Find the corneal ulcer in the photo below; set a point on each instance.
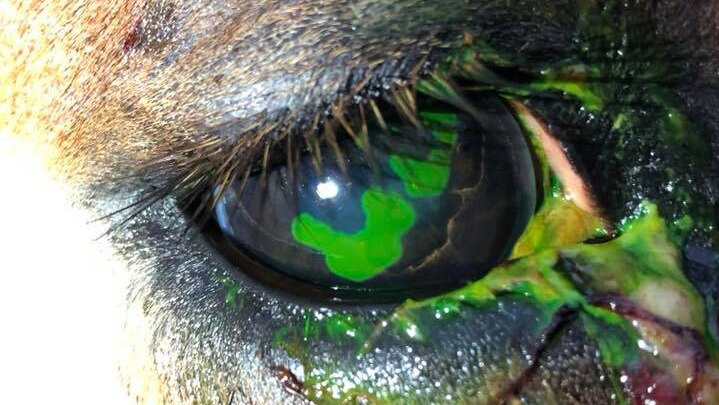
(619, 276)
(407, 211)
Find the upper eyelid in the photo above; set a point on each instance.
(209, 156)
(179, 100)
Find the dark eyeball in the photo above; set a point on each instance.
(420, 206)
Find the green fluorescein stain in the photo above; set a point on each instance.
(423, 178)
(366, 253)
(447, 137)
(427, 178)
(447, 119)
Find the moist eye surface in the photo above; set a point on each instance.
(434, 203)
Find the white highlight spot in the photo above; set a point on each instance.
(327, 189)
(62, 293)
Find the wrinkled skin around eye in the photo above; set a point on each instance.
(564, 322)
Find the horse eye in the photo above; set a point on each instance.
(407, 208)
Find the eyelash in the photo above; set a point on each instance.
(199, 170)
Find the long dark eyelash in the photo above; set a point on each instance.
(209, 166)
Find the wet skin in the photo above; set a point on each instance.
(629, 92)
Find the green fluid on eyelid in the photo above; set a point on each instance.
(362, 255)
(539, 279)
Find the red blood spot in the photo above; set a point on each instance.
(649, 384)
(288, 380)
(132, 39)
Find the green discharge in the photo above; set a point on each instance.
(362, 255)
(578, 90)
(345, 326)
(571, 81)
(648, 248)
(644, 254)
(405, 324)
(600, 100)
(615, 336)
(533, 277)
(445, 308)
(233, 296)
(559, 221)
(644, 258)
(338, 327)
(232, 292)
